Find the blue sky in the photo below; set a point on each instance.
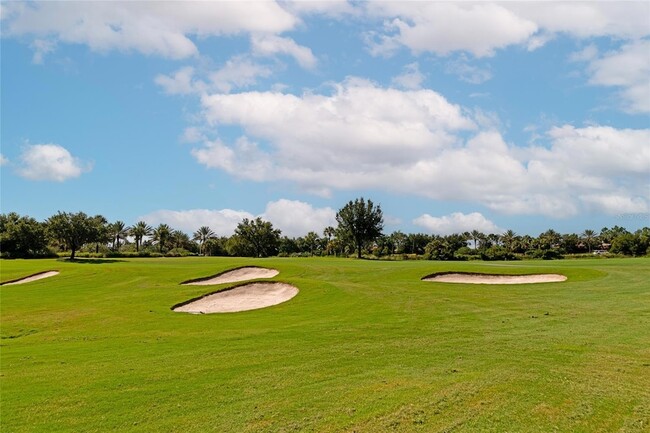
(453, 116)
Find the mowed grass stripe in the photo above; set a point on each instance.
(365, 346)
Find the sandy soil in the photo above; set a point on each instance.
(242, 298)
(236, 275)
(495, 279)
(32, 278)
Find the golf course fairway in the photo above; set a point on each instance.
(365, 346)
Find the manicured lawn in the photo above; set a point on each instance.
(365, 346)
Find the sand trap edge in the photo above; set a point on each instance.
(227, 289)
(23, 280)
(431, 278)
(196, 280)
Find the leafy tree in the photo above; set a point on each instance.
(607, 235)
(75, 229)
(311, 242)
(416, 243)
(572, 243)
(445, 248)
(255, 238)
(139, 231)
(21, 236)
(202, 235)
(360, 222)
(161, 235)
(398, 239)
(288, 246)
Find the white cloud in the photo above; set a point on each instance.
(152, 28)
(467, 72)
(411, 78)
(457, 222)
(3, 160)
(329, 8)
(588, 53)
(616, 204)
(41, 48)
(222, 222)
(410, 142)
(238, 72)
(193, 134)
(629, 69)
(243, 159)
(50, 162)
(270, 45)
(294, 218)
(441, 27)
(180, 83)
(623, 20)
(297, 218)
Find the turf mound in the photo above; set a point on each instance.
(234, 275)
(471, 278)
(240, 298)
(31, 278)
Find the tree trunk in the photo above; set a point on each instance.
(358, 250)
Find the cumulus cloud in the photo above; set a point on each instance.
(41, 48)
(294, 218)
(440, 27)
(50, 162)
(223, 222)
(411, 78)
(467, 72)
(627, 68)
(415, 142)
(237, 72)
(297, 218)
(457, 222)
(151, 28)
(180, 82)
(270, 45)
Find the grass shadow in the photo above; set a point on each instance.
(92, 261)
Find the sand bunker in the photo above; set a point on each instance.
(31, 278)
(234, 276)
(241, 298)
(467, 278)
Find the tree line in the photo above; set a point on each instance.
(359, 232)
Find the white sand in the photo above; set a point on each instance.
(496, 279)
(247, 297)
(33, 278)
(236, 275)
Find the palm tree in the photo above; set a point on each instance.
(508, 239)
(588, 236)
(161, 235)
(118, 230)
(139, 231)
(202, 235)
(179, 239)
(476, 236)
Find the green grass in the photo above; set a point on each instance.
(364, 347)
